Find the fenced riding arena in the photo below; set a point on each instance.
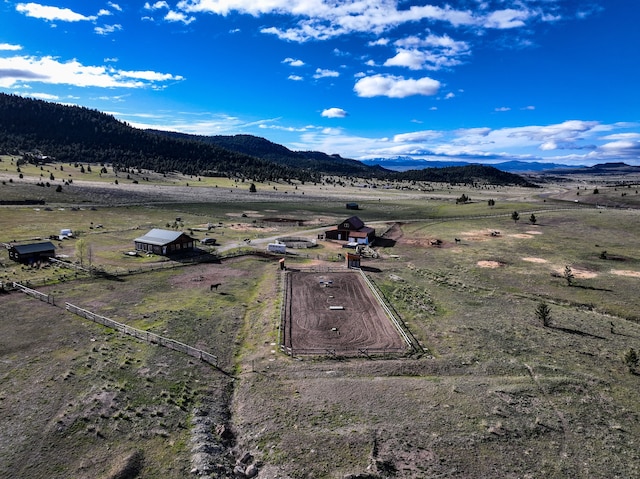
(337, 313)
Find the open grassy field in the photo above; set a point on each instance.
(495, 392)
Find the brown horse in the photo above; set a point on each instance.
(214, 286)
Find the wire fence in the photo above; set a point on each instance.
(147, 336)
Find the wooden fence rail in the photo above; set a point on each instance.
(47, 298)
(145, 335)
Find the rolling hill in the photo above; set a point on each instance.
(36, 129)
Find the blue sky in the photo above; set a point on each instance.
(475, 80)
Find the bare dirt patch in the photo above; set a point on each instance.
(535, 260)
(521, 236)
(480, 235)
(626, 272)
(489, 264)
(204, 276)
(579, 273)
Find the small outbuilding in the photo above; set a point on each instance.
(164, 242)
(32, 252)
(352, 206)
(353, 261)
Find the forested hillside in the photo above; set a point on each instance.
(471, 174)
(336, 165)
(77, 134)
(267, 150)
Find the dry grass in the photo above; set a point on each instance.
(496, 394)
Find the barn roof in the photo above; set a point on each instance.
(159, 237)
(354, 221)
(34, 247)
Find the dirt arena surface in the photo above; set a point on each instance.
(336, 312)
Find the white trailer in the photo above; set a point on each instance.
(277, 248)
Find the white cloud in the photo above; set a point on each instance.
(23, 70)
(549, 146)
(503, 108)
(103, 12)
(107, 29)
(509, 18)
(541, 143)
(146, 75)
(430, 53)
(334, 113)
(295, 78)
(172, 16)
(44, 96)
(324, 19)
(417, 136)
(621, 145)
(10, 47)
(44, 12)
(115, 6)
(379, 42)
(622, 136)
(293, 62)
(395, 87)
(156, 6)
(412, 59)
(322, 73)
(449, 96)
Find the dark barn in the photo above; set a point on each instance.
(353, 230)
(164, 242)
(32, 252)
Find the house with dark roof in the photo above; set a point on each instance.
(352, 230)
(164, 242)
(32, 252)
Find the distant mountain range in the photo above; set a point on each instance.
(516, 167)
(602, 169)
(404, 163)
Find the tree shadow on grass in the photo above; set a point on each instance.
(592, 288)
(106, 275)
(576, 331)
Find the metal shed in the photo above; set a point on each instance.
(32, 252)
